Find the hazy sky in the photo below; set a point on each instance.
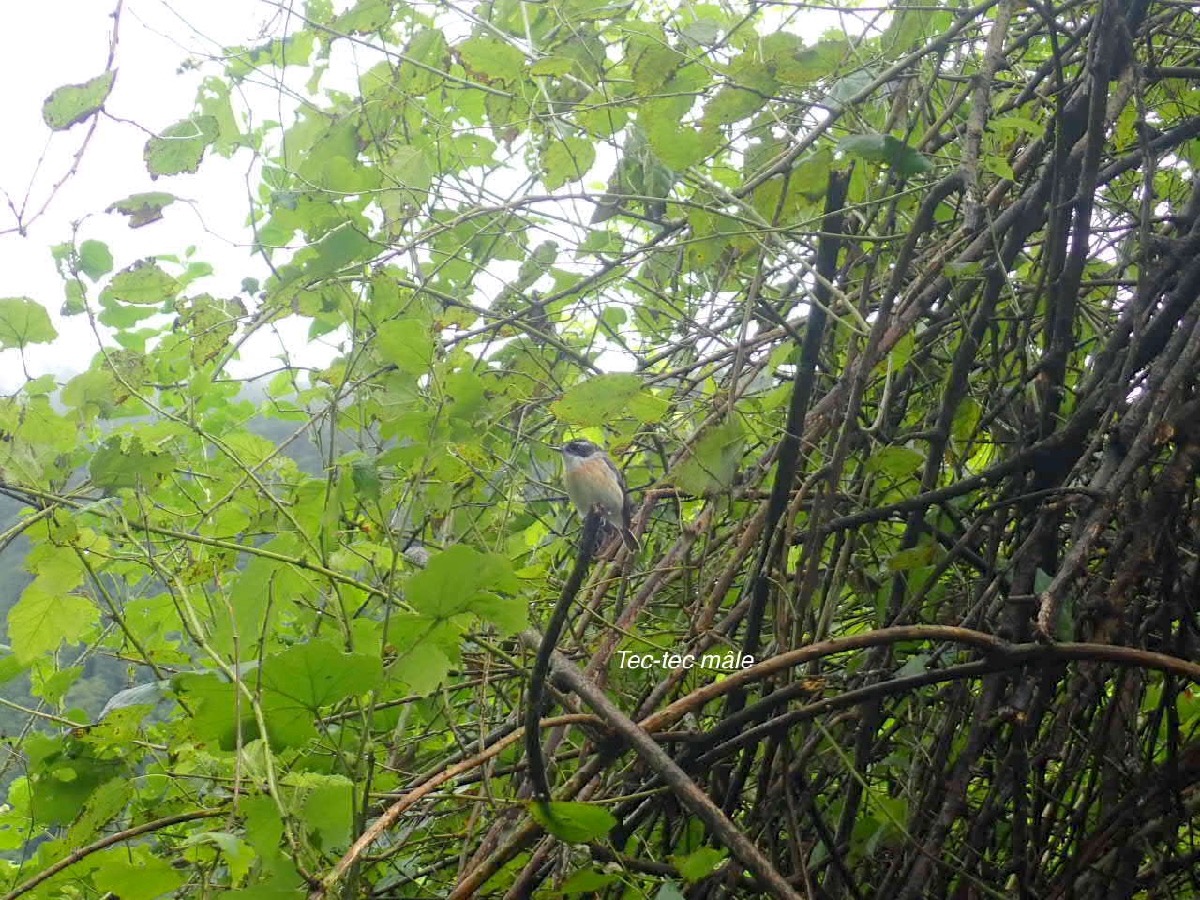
(57, 42)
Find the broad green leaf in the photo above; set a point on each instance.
(46, 617)
(575, 823)
(602, 398)
(74, 103)
(700, 863)
(713, 462)
(912, 558)
(461, 579)
(236, 853)
(703, 32)
(294, 50)
(406, 344)
(365, 477)
(677, 145)
(795, 64)
(883, 148)
(896, 462)
(587, 881)
(23, 322)
(95, 259)
(733, 103)
(567, 159)
(75, 301)
(909, 27)
(654, 65)
(494, 59)
(336, 251)
(215, 714)
(142, 284)
(421, 667)
(317, 674)
(552, 65)
(365, 17)
(180, 147)
(63, 773)
(134, 873)
(328, 810)
(212, 322)
(126, 463)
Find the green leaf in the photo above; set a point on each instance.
(883, 148)
(586, 881)
(211, 322)
(95, 259)
(908, 28)
(46, 617)
(733, 103)
(700, 863)
(494, 59)
(574, 823)
(552, 65)
(337, 250)
(912, 558)
(365, 477)
(318, 674)
(236, 853)
(423, 665)
(654, 65)
(74, 103)
(328, 810)
(407, 344)
(24, 322)
(365, 17)
(796, 64)
(599, 400)
(142, 284)
(126, 463)
(460, 579)
(896, 462)
(703, 32)
(713, 462)
(180, 147)
(134, 873)
(142, 209)
(567, 159)
(677, 145)
(294, 50)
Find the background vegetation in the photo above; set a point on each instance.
(895, 330)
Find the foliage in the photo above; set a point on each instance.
(894, 334)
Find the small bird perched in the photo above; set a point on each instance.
(593, 481)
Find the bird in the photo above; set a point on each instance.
(594, 482)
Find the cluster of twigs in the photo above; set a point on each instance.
(973, 677)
